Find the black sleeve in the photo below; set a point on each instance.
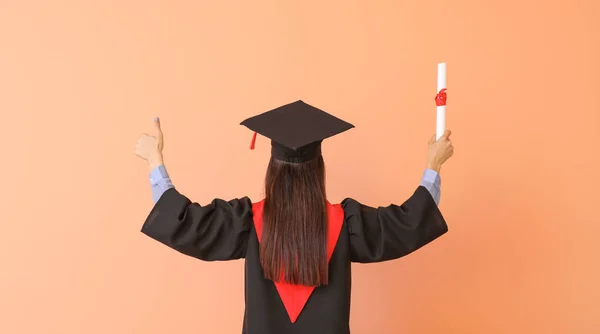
(215, 232)
(387, 233)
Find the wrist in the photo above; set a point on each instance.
(155, 161)
(434, 166)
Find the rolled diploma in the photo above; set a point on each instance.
(441, 110)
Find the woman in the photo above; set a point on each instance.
(297, 246)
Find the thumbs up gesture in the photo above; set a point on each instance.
(149, 147)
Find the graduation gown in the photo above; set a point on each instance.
(227, 230)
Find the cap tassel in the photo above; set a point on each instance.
(253, 141)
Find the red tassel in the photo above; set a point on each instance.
(253, 141)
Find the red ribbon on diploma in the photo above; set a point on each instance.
(440, 98)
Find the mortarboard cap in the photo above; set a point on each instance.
(296, 130)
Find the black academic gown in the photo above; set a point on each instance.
(224, 230)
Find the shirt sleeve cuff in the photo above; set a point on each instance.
(432, 176)
(157, 174)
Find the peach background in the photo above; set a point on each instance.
(80, 80)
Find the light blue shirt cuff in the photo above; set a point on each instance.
(158, 174)
(432, 182)
(160, 182)
(431, 176)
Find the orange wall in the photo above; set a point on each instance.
(79, 82)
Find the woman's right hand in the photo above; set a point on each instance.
(439, 151)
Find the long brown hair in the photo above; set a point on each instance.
(294, 236)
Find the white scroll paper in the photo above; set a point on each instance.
(441, 110)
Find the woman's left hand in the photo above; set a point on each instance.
(149, 147)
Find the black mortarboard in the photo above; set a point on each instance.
(296, 130)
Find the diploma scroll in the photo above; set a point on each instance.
(440, 101)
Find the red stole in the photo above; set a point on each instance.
(294, 296)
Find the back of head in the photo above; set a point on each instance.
(293, 243)
(294, 237)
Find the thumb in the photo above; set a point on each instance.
(157, 128)
(446, 134)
